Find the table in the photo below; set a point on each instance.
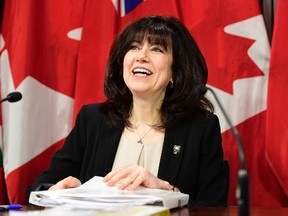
(230, 211)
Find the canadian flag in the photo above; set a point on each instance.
(55, 54)
(234, 41)
(39, 60)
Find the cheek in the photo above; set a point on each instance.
(126, 76)
(168, 70)
(125, 66)
(127, 61)
(128, 58)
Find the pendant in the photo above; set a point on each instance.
(140, 142)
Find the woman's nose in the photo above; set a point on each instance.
(142, 55)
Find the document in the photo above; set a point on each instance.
(95, 194)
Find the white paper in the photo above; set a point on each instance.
(97, 195)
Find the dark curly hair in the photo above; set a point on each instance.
(189, 71)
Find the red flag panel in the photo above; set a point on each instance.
(277, 105)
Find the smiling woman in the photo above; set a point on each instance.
(158, 42)
(154, 129)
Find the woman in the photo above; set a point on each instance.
(154, 129)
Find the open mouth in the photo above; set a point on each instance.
(142, 72)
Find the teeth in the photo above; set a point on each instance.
(142, 71)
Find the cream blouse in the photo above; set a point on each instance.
(145, 155)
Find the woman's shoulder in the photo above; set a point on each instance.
(91, 111)
(203, 117)
(200, 121)
(93, 107)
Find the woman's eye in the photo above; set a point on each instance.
(157, 49)
(134, 47)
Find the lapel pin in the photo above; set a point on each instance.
(176, 149)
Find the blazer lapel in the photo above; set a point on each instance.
(109, 140)
(172, 153)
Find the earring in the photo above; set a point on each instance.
(171, 84)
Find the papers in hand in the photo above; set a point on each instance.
(95, 194)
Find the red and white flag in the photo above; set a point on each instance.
(39, 60)
(233, 38)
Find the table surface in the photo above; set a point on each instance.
(230, 211)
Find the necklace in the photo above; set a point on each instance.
(141, 138)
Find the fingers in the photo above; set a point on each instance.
(133, 176)
(69, 182)
(128, 174)
(118, 174)
(140, 179)
(134, 179)
(166, 185)
(111, 174)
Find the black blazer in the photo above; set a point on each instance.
(191, 159)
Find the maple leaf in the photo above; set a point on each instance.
(249, 94)
(40, 119)
(226, 54)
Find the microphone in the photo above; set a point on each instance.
(12, 97)
(242, 192)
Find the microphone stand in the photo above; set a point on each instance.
(242, 192)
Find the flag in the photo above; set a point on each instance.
(277, 105)
(233, 39)
(39, 60)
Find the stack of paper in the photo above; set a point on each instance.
(95, 194)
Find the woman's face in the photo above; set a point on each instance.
(147, 69)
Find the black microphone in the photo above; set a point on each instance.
(12, 97)
(242, 192)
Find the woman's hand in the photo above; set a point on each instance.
(69, 182)
(133, 176)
